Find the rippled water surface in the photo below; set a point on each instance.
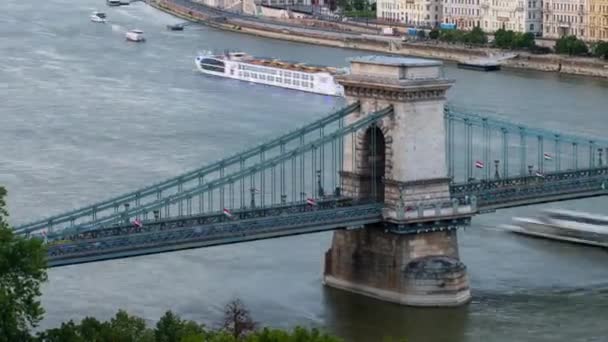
(86, 115)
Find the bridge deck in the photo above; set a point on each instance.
(159, 237)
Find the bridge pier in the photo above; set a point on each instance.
(410, 258)
(414, 269)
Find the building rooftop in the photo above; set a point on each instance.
(396, 61)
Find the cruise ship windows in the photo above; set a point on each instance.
(271, 78)
(288, 81)
(296, 75)
(296, 82)
(212, 65)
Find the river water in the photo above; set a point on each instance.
(86, 115)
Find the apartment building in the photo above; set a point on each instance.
(466, 14)
(424, 13)
(565, 18)
(515, 15)
(598, 20)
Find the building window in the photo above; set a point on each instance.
(531, 27)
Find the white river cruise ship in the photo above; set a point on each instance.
(564, 225)
(297, 76)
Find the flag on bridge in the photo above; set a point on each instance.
(311, 202)
(540, 174)
(479, 164)
(547, 156)
(137, 223)
(228, 213)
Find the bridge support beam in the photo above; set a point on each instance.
(417, 270)
(412, 257)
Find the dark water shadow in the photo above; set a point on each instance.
(357, 318)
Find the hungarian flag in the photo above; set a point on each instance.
(228, 213)
(311, 202)
(540, 174)
(547, 156)
(479, 164)
(137, 223)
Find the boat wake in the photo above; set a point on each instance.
(118, 28)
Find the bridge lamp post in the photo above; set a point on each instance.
(252, 190)
(599, 153)
(156, 214)
(127, 205)
(530, 168)
(496, 173)
(321, 192)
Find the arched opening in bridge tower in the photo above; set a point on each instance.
(372, 166)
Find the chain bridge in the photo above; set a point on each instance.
(395, 173)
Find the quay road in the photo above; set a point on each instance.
(258, 22)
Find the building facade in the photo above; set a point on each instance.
(566, 17)
(516, 15)
(466, 14)
(420, 13)
(598, 20)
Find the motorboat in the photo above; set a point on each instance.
(98, 17)
(113, 2)
(135, 35)
(176, 27)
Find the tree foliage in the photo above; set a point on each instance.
(475, 36)
(237, 319)
(507, 39)
(570, 45)
(600, 49)
(434, 34)
(171, 328)
(22, 271)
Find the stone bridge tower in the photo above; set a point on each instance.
(412, 257)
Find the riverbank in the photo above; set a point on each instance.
(549, 63)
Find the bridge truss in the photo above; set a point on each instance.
(503, 164)
(291, 185)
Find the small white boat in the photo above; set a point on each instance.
(135, 36)
(98, 17)
(564, 225)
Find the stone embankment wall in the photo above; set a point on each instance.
(552, 63)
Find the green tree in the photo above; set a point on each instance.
(22, 271)
(504, 39)
(68, 332)
(434, 34)
(127, 328)
(601, 50)
(171, 328)
(476, 36)
(523, 41)
(570, 45)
